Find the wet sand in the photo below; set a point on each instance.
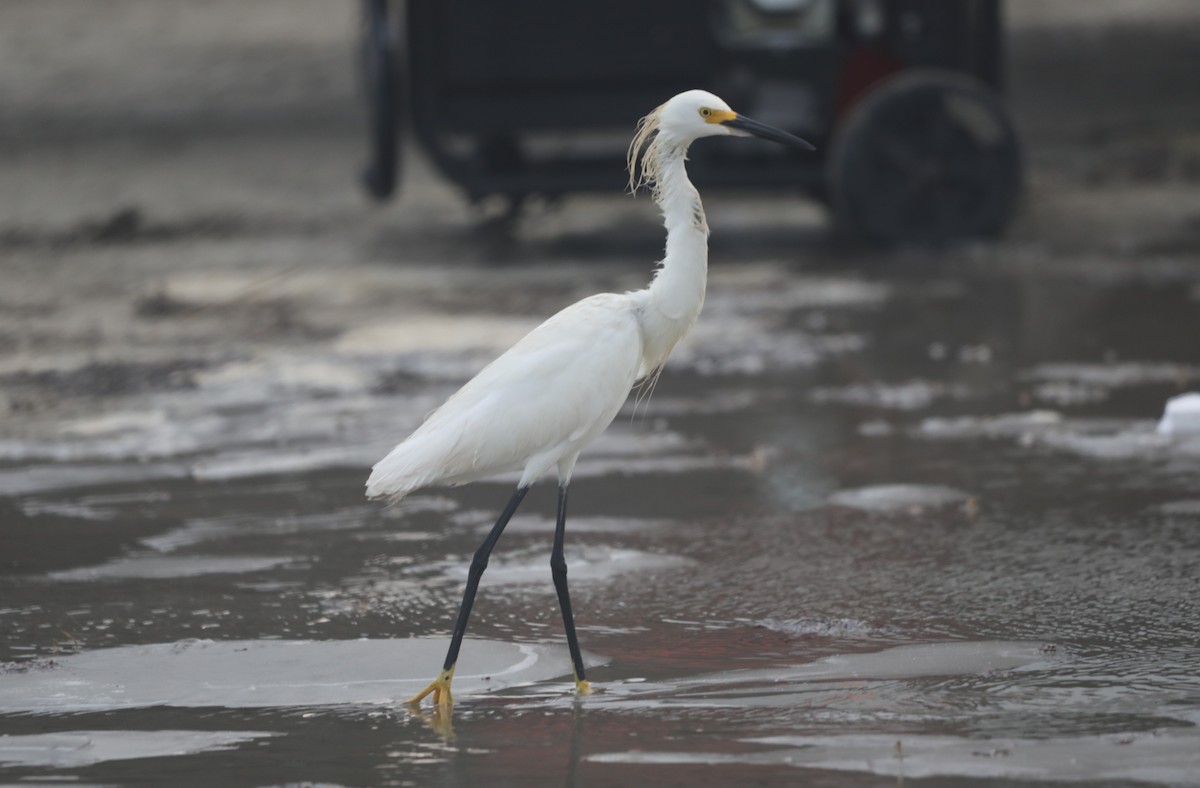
(887, 514)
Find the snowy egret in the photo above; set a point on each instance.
(550, 395)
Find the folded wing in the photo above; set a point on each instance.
(542, 401)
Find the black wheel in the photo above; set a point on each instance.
(927, 157)
(382, 85)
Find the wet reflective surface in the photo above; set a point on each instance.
(886, 518)
(882, 517)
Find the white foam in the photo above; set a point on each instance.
(74, 749)
(1114, 374)
(156, 567)
(201, 530)
(767, 289)
(587, 564)
(583, 524)
(911, 395)
(430, 333)
(1182, 416)
(1189, 508)
(1120, 444)
(241, 465)
(1099, 439)
(280, 373)
(750, 348)
(44, 478)
(1065, 393)
(876, 428)
(35, 507)
(898, 497)
(592, 467)
(115, 438)
(823, 627)
(1001, 426)
(707, 403)
(117, 421)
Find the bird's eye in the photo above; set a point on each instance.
(705, 112)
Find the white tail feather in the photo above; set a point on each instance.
(400, 472)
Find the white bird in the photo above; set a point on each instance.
(550, 395)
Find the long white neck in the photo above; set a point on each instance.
(675, 296)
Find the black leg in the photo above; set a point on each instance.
(558, 567)
(440, 687)
(478, 564)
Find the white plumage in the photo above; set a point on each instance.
(550, 395)
(530, 410)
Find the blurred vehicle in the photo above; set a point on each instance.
(538, 97)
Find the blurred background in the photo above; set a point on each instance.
(246, 245)
(1101, 97)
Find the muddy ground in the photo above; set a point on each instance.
(887, 514)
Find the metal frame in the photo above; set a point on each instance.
(487, 78)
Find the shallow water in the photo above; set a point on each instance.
(867, 527)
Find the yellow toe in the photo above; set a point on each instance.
(583, 687)
(439, 688)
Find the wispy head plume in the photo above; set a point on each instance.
(647, 146)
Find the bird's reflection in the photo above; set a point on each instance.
(441, 722)
(437, 718)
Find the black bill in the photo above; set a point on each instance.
(747, 126)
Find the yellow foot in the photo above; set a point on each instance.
(440, 688)
(583, 687)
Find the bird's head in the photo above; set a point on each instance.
(698, 113)
(689, 116)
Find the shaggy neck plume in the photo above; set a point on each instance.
(676, 294)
